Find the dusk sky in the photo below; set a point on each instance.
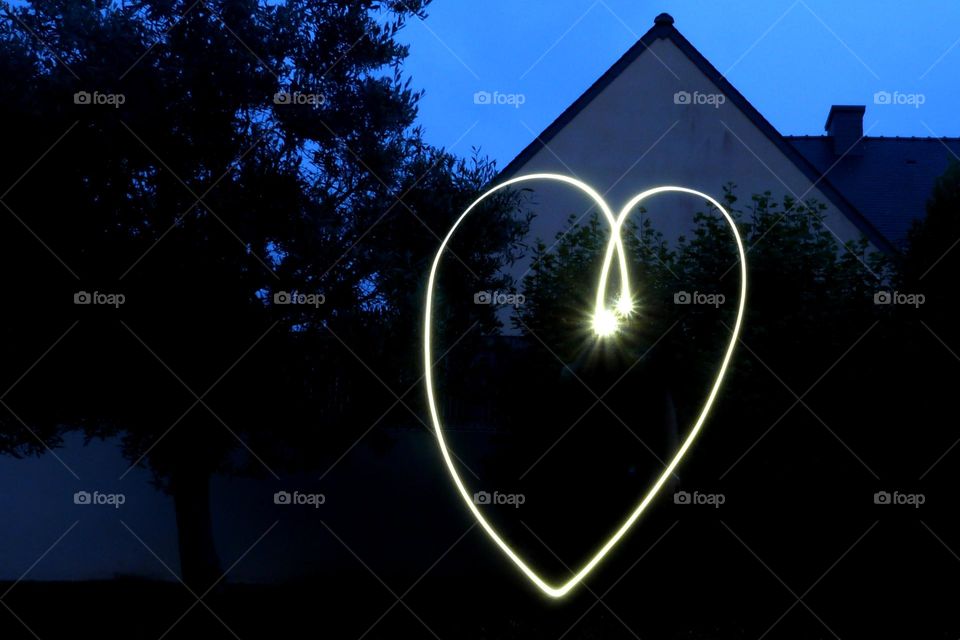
(792, 59)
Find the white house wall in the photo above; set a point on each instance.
(633, 136)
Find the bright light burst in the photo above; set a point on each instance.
(624, 307)
(605, 323)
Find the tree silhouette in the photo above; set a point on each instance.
(809, 299)
(248, 177)
(931, 263)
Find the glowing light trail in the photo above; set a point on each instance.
(605, 323)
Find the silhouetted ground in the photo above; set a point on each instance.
(697, 578)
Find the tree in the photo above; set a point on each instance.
(930, 262)
(809, 299)
(925, 336)
(230, 152)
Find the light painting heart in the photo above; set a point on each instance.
(606, 320)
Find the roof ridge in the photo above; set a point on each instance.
(896, 138)
(664, 28)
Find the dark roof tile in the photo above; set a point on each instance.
(890, 182)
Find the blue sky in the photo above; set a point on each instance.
(791, 58)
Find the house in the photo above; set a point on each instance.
(663, 115)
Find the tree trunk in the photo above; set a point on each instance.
(199, 564)
(673, 433)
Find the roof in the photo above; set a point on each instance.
(663, 29)
(890, 181)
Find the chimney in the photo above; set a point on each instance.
(845, 126)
